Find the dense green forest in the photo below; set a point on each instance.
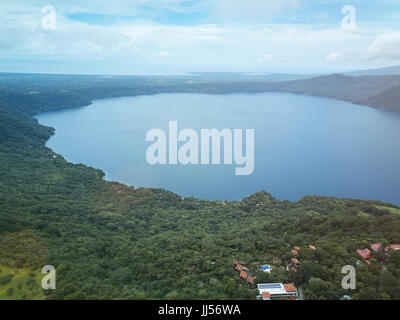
(110, 241)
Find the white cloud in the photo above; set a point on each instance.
(334, 56)
(386, 47)
(224, 45)
(213, 45)
(266, 58)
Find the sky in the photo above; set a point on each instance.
(179, 36)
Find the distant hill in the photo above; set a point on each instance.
(388, 99)
(376, 72)
(250, 76)
(382, 92)
(33, 92)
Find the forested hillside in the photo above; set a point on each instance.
(110, 241)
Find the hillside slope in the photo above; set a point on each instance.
(388, 99)
(359, 90)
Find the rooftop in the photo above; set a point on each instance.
(266, 295)
(277, 289)
(239, 267)
(289, 287)
(376, 246)
(365, 253)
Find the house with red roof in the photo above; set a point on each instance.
(394, 247)
(250, 280)
(365, 253)
(266, 295)
(376, 246)
(239, 268)
(289, 287)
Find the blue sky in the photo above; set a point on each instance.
(192, 13)
(178, 36)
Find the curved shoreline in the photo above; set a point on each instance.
(131, 96)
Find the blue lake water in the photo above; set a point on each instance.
(303, 145)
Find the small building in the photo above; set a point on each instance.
(376, 246)
(266, 296)
(312, 247)
(365, 253)
(250, 280)
(289, 287)
(239, 268)
(295, 261)
(276, 290)
(297, 248)
(394, 247)
(295, 252)
(243, 275)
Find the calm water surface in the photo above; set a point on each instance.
(303, 145)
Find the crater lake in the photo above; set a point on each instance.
(303, 145)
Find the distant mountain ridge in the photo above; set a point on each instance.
(381, 92)
(395, 70)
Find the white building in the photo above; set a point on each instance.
(276, 290)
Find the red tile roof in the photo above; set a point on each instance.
(365, 253)
(312, 247)
(376, 246)
(394, 246)
(289, 287)
(243, 275)
(239, 267)
(266, 295)
(250, 280)
(295, 261)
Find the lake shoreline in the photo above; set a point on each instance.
(112, 178)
